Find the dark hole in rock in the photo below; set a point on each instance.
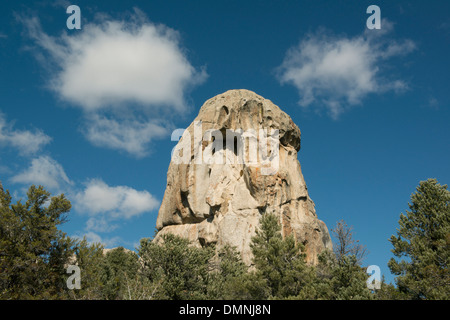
(225, 109)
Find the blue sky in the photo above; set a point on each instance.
(81, 118)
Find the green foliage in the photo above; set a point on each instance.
(230, 279)
(34, 256)
(340, 275)
(33, 251)
(119, 267)
(178, 271)
(343, 279)
(90, 260)
(423, 240)
(279, 261)
(139, 288)
(247, 286)
(227, 268)
(389, 292)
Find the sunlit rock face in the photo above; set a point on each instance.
(235, 162)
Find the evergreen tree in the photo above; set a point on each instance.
(247, 286)
(230, 278)
(340, 274)
(177, 270)
(280, 262)
(423, 239)
(226, 267)
(90, 259)
(388, 291)
(33, 252)
(119, 267)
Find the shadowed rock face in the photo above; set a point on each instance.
(222, 202)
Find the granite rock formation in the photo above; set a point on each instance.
(208, 201)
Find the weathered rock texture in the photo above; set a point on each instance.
(223, 203)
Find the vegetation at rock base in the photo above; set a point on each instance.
(178, 270)
(34, 255)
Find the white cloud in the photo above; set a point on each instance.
(117, 62)
(99, 199)
(115, 67)
(100, 224)
(132, 136)
(26, 142)
(338, 72)
(44, 171)
(106, 205)
(92, 237)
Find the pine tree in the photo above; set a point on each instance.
(423, 239)
(119, 266)
(388, 291)
(340, 274)
(227, 270)
(176, 269)
(90, 259)
(280, 262)
(33, 251)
